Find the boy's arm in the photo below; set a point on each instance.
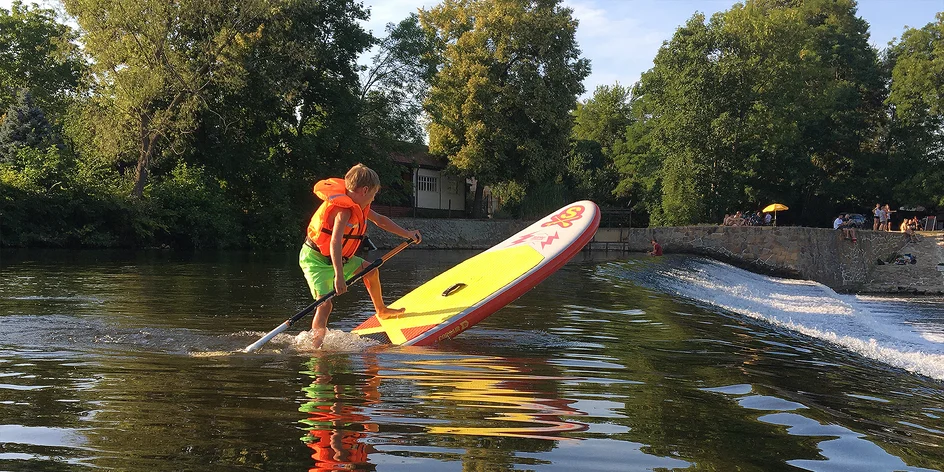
(337, 259)
(390, 226)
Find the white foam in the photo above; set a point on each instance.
(334, 341)
(933, 337)
(814, 310)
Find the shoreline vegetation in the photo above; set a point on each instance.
(204, 126)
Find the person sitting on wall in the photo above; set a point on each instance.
(656, 248)
(843, 223)
(908, 227)
(849, 229)
(751, 219)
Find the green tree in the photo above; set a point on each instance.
(916, 99)
(500, 104)
(844, 90)
(256, 100)
(153, 61)
(589, 173)
(604, 116)
(37, 54)
(25, 126)
(599, 127)
(638, 164)
(769, 101)
(291, 118)
(683, 90)
(397, 82)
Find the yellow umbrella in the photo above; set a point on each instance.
(775, 207)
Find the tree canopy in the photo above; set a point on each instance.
(915, 140)
(25, 125)
(768, 101)
(499, 106)
(38, 54)
(194, 124)
(395, 86)
(153, 61)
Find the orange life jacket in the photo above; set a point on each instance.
(334, 194)
(334, 446)
(337, 450)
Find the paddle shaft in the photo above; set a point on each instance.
(308, 309)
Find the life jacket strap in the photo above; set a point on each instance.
(311, 244)
(346, 236)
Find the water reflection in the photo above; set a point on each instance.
(493, 397)
(840, 448)
(337, 424)
(477, 396)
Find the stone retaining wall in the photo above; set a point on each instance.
(441, 233)
(817, 254)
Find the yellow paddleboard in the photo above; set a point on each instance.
(462, 296)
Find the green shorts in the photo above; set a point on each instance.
(320, 273)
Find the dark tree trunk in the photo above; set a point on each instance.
(148, 139)
(478, 208)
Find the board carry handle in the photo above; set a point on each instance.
(308, 309)
(455, 288)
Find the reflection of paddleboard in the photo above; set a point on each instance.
(464, 295)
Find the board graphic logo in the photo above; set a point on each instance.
(566, 218)
(545, 239)
(463, 325)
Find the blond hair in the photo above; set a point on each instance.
(361, 176)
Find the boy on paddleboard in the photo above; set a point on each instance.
(335, 233)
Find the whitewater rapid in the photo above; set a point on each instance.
(901, 332)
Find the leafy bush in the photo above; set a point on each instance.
(190, 209)
(36, 170)
(34, 212)
(535, 202)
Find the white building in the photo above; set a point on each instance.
(436, 193)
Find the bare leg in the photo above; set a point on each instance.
(372, 282)
(319, 324)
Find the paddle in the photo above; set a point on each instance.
(308, 309)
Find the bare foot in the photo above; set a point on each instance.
(390, 313)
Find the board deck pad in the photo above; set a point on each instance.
(477, 287)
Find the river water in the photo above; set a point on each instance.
(129, 361)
